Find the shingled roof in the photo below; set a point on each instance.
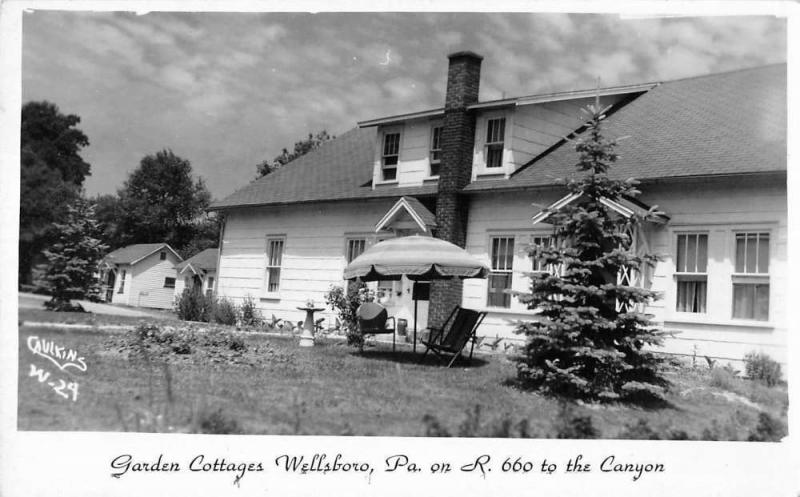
(205, 260)
(719, 124)
(134, 253)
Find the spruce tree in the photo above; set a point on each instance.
(74, 257)
(590, 339)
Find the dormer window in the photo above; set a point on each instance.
(495, 136)
(390, 156)
(436, 149)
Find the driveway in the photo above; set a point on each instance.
(34, 301)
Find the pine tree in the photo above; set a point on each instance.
(74, 257)
(590, 341)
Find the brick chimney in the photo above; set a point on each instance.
(455, 171)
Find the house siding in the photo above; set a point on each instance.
(147, 285)
(313, 253)
(719, 208)
(122, 298)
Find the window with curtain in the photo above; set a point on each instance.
(502, 255)
(495, 138)
(691, 272)
(751, 277)
(272, 277)
(390, 156)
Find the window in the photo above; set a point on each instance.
(495, 136)
(436, 149)
(390, 156)
(163, 256)
(536, 264)
(502, 255)
(691, 275)
(751, 277)
(274, 258)
(169, 282)
(210, 288)
(122, 282)
(355, 247)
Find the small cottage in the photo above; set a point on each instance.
(198, 272)
(141, 275)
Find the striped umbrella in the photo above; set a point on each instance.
(416, 257)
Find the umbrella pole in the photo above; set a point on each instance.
(414, 348)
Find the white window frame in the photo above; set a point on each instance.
(354, 238)
(679, 276)
(487, 145)
(507, 271)
(382, 154)
(269, 240)
(751, 277)
(431, 150)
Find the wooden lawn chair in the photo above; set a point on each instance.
(458, 329)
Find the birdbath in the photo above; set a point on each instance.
(307, 337)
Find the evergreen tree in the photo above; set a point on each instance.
(74, 257)
(590, 341)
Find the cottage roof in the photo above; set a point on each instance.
(719, 124)
(135, 253)
(205, 260)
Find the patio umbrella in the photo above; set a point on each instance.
(419, 258)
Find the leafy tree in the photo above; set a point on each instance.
(590, 341)
(74, 257)
(51, 174)
(160, 201)
(300, 148)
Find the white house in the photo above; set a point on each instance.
(141, 275)
(710, 152)
(198, 271)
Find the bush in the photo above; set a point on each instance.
(225, 312)
(768, 429)
(216, 422)
(249, 313)
(193, 305)
(761, 367)
(345, 303)
(722, 378)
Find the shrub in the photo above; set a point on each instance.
(225, 312)
(768, 429)
(345, 303)
(193, 305)
(640, 430)
(761, 367)
(722, 378)
(570, 425)
(249, 313)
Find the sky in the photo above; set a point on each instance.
(228, 90)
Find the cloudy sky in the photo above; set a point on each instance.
(229, 90)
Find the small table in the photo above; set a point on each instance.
(307, 337)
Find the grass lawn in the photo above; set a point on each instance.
(275, 387)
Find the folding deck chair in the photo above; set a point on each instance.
(458, 329)
(372, 319)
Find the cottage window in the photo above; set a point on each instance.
(502, 255)
(436, 149)
(495, 136)
(751, 277)
(210, 288)
(536, 264)
(274, 259)
(355, 247)
(390, 156)
(169, 282)
(122, 282)
(691, 272)
(163, 256)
